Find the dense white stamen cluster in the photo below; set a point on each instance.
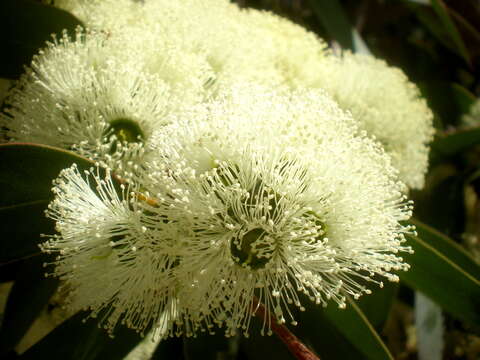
(94, 98)
(256, 45)
(228, 216)
(386, 105)
(239, 44)
(322, 216)
(110, 258)
(247, 181)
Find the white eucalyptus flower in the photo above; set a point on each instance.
(256, 195)
(284, 46)
(100, 14)
(92, 96)
(238, 44)
(385, 104)
(112, 259)
(250, 45)
(276, 196)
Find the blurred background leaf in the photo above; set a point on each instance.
(332, 16)
(446, 275)
(25, 26)
(28, 297)
(84, 339)
(26, 175)
(451, 29)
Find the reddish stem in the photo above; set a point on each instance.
(294, 345)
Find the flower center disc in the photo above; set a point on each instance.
(126, 130)
(248, 251)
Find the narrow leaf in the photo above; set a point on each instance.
(446, 275)
(83, 340)
(354, 325)
(124, 341)
(430, 20)
(441, 203)
(341, 333)
(442, 243)
(28, 297)
(25, 26)
(465, 24)
(376, 307)
(332, 16)
(454, 143)
(463, 98)
(20, 235)
(9, 272)
(442, 12)
(26, 175)
(27, 171)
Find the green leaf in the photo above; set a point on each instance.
(443, 244)
(441, 203)
(432, 23)
(25, 26)
(341, 333)
(83, 340)
(449, 101)
(454, 143)
(332, 16)
(354, 325)
(463, 98)
(464, 24)
(376, 307)
(28, 297)
(442, 12)
(445, 273)
(438, 21)
(20, 236)
(26, 175)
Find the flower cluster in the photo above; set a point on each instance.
(256, 165)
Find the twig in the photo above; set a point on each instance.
(13, 261)
(294, 345)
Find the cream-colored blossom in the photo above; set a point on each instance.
(275, 195)
(258, 194)
(157, 40)
(111, 258)
(244, 45)
(385, 104)
(100, 14)
(239, 44)
(95, 97)
(285, 46)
